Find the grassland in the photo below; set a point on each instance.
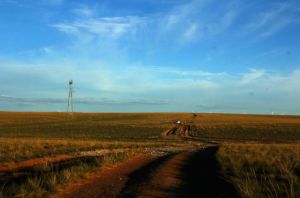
(262, 170)
(118, 126)
(147, 126)
(259, 154)
(25, 136)
(20, 149)
(41, 181)
(262, 128)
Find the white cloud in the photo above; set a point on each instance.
(253, 75)
(224, 21)
(193, 20)
(183, 23)
(188, 85)
(85, 100)
(276, 27)
(278, 83)
(107, 27)
(275, 19)
(165, 71)
(114, 79)
(171, 20)
(192, 87)
(83, 11)
(48, 50)
(67, 28)
(191, 33)
(181, 14)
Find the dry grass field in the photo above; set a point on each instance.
(262, 170)
(86, 126)
(259, 155)
(233, 127)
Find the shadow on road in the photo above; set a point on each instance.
(202, 177)
(138, 179)
(188, 174)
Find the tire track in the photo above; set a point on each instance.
(181, 129)
(27, 164)
(187, 174)
(104, 183)
(190, 173)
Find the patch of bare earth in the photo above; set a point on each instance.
(191, 173)
(178, 131)
(107, 182)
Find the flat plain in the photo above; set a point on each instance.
(47, 154)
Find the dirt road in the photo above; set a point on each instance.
(180, 129)
(192, 173)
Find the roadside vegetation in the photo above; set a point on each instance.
(20, 149)
(263, 128)
(42, 180)
(262, 170)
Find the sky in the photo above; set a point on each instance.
(238, 56)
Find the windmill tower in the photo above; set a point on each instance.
(70, 98)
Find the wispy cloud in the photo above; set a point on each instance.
(83, 11)
(274, 19)
(193, 21)
(149, 79)
(113, 79)
(224, 21)
(109, 51)
(253, 75)
(183, 23)
(86, 101)
(144, 85)
(191, 33)
(106, 27)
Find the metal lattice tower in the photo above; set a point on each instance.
(70, 98)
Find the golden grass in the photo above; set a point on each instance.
(262, 170)
(87, 126)
(47, 180)
(233, 127)
(21, 118)
(244, 119)
(17, 149)
(257, 170)
(148, 126)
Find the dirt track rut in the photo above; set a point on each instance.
(193, 173)
(104, 183)
(15, 166)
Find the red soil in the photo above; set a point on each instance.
(9, 167)
(107, 182)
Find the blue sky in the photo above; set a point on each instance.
(145, 55)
